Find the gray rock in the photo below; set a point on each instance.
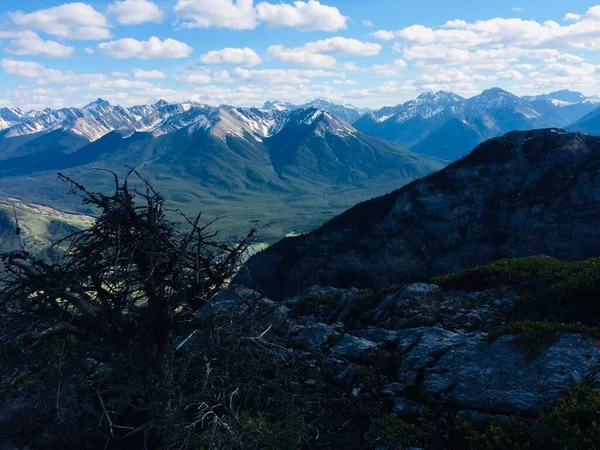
(500, 378)
(314, 336)
(339, 371)
(404, 407)
(352, 347)
(421, 347)
(379, 335)
(401, 301)
(345, 305)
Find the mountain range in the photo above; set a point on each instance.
(448, 126)
(442, 124)
(296, 167)
(525, 193)
(282, 164)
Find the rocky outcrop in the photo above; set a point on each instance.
(429, 346)
(526, 193)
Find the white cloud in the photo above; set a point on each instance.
(584, 33)
(243, 15)
(343, 46)
(527, 67)
(386, 89)
(148, 74)
(235, 14)
(384, 35)
(301, 56)
(572, 17)
(32, 44)
(281, 76)
(303, 16)
(120, 74)
(510, 75)
(367, 23)
(70, 20)
(200, 76)
(345, 82)
(517, 9)
(541, 80)
(135, 12)
(153, 48)
(43, 75)
(232, 57)
(108, 85)
(390, 70)
(89, 51)
(452, 79)
(318, 53)
(571, 70)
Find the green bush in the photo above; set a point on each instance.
(392, 432)
(267, 432)
(550, 289)
(310, 303)
(535, 336)
(573, 424)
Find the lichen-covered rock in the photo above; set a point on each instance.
(339, 371)
(314, 336)
(379, 335)
(403, 300)
(352, 346)
(466, 370)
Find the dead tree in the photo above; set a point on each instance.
(124, 285)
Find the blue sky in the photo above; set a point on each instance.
(370, 53)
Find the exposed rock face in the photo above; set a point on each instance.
(429, 346)
(526, 193)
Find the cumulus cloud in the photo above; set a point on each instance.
(517, 9)
(243, 15)
(31, 44)
(281, 76)
(510, 75)
(390, 70)
(70, 20)
(135, 12)
(367, 23)
(387, 89)
(343, 46)
(238, 15)
(571, 17)
(318, 53)
(43, 75)
(200, 76)
(232, 57)
(301, 56)
(148, 74)
(384, 35)
(153, 48)
(584, 33)
(303, 16)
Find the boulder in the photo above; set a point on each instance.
(352, 346)
(314, 336)
(403, 300)
(465, 370)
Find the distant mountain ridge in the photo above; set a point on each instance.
(441, 124)
(448, 126)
